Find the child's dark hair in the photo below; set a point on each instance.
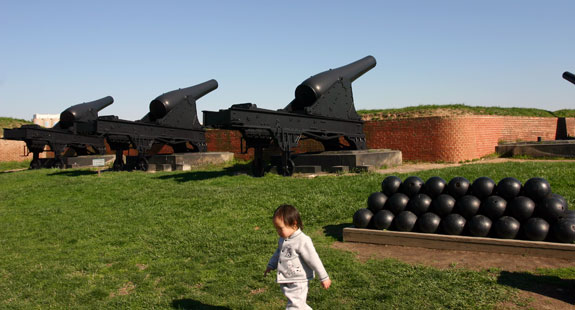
(289, 214)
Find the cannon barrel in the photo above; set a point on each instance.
(84, 111)
(569, 76)
(314, 87)
(160, 106)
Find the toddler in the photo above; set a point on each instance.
(295, 258)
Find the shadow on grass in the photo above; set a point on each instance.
(550, 286)
(335, 231)
(189, 304)
(74, 173)
(207, 174)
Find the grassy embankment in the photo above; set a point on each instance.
(8, 122)
(201, 240)
(429, 110)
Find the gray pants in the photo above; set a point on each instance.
(296, 294)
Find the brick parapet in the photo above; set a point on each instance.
(13, 151)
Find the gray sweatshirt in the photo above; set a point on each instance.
(296, 260)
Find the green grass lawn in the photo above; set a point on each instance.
(12, 165)
(201, 240)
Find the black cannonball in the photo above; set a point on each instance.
(382, 219)
(479, 226)
(428, 222)
(397, 203)
(482, 187)
(362, 217)
(508, 188)
(453, 224)
(551, 209)
(390, 185)
(442, 205)
(535, 229)
(458, 187)
(493, 207)
(564, 230)
(467, 206)
(506, 227)
(419, 204)
(521, 208)
(434, 186)
(569, 214)
(405, 221)
(537, 189)
(376, 201)
(411, 186)
(563, 200)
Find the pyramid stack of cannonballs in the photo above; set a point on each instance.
(482, 208)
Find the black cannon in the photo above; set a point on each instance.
(569, 76)
(62, 135)
(172, 120)
(322, 110)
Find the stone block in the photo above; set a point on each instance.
(364, 168)
(193, 159)
(86, 161)
(352, 159)
(307, 169)
(183, 167)
(165, 167)
(339, 169)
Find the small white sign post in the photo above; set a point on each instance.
(99, 162)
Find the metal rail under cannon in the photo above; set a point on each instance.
(323, 110)
(62, 135)
(172, 120)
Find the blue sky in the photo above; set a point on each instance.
(54, 54)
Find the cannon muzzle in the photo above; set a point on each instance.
(569, 76)
(160, 106)
(314, 87)
(84, 112)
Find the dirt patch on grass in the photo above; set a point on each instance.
(534, 292)
(446, 259)
(127, 289)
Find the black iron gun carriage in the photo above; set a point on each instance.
(62, 135)
(172, 120)
(323, 110)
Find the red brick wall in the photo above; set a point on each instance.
(459, 138)
(13, 151)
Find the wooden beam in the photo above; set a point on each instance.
(460, 243)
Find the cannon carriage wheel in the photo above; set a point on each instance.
(287, 169)
(59, 163)
(142, 164)
(35, 163)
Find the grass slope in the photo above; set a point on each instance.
(426, 110)
(8, 122)
(201, 240)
